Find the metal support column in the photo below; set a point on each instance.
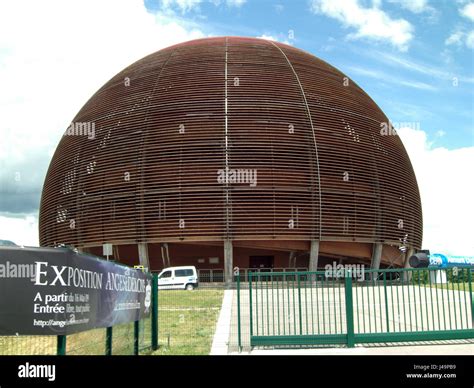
(143, 255)
(313, 256)
(407, 274)
(376, 258)
(228, 263)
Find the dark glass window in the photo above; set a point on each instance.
(184, 272)
(166, 274)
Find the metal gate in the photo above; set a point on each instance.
(356, 306)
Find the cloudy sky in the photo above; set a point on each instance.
(415, 58)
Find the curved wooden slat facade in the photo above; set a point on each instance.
(168, 125)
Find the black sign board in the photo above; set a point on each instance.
(58, 291)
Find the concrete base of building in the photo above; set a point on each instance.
(255, 255)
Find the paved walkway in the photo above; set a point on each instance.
(451, 348)
(221, 337)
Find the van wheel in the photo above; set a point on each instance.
(189, 287)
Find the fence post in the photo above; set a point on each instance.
(349, 310)
(250, 303)
(469, 279)
(61, 345)
(108, 341)
(136, 337)
(386, 301)
(239, 331)
(299, 304)
(154, 313)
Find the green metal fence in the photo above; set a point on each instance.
(131, 338)
(371, 306)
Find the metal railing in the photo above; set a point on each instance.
(391, 305)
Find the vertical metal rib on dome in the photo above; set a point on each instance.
(318, 174)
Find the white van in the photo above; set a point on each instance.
(178, 278)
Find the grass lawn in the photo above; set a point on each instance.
(187, 321)
(26, 345)
(91, 342)
(453, 286)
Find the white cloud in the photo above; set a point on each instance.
(279, 8)
(267, 37)
(470, 40)
(455, 38)
(20, 230)
(386, 77)
(468, 11)
(426, 70)
(192, 5)
(235, 3)
(371, 23)
(183, 5)
(415, 6)
(418, 85)
(460, 37)
(53, 56)
(446, 187)
(273, 38)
